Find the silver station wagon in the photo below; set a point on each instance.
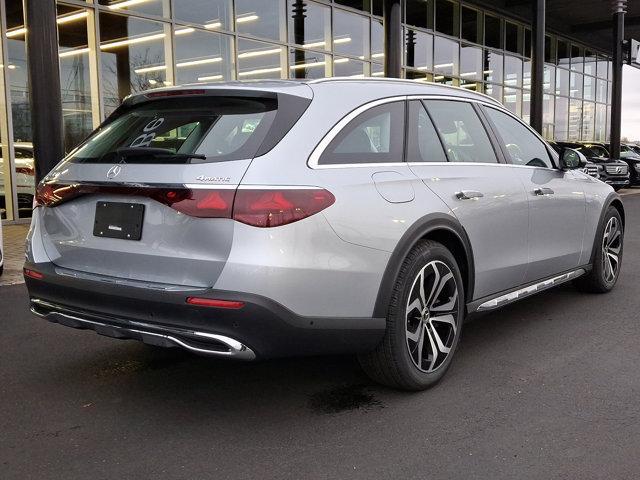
(282, 218)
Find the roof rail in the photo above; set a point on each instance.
(399, 80)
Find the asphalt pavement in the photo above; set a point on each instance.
(548, 388)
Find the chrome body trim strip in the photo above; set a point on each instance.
(235, 350)
(530, 290)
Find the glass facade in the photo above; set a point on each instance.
(109, 49)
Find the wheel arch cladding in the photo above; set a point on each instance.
(441, 228)
(617, 204)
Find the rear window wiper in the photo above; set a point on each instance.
(158, 153)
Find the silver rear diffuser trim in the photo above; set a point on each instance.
(145, 332)
(530, 290)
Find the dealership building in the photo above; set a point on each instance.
(66, 65)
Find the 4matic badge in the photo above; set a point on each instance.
(204, 178)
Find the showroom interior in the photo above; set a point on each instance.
(108, 49)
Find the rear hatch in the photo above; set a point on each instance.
(148, 196)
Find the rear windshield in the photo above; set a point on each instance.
(170, 130)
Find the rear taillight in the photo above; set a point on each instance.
(210, 302)
(26, 170)
(258, 207)
(272, 208)
(32, 274)
(51, 194)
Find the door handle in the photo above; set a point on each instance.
(543, 191)
(469, 194)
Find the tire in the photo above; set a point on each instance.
(607, 257)
(395, 361)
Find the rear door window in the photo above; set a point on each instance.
(423, 144)
(375, 136)
(214, 129)
(462, 132)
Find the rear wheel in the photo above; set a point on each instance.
(424, 321)
(607, 258)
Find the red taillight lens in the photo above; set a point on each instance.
(210, 302)
(258, 207)
(32, 274)
(26, 170)
(50, 194)
(205, 203)
(272, 208)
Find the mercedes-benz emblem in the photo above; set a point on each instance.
(618, 169)
(114, 171)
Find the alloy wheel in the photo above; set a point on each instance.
(432, 316)
(611, 246)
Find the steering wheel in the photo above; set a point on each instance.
(516, 153)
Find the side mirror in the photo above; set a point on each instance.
(570, 159)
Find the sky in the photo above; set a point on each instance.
(631, 103)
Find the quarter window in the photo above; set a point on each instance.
(423, 144)
(522, 146)
(462, 132)
(375, 136)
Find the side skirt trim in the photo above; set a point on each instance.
(524, 292)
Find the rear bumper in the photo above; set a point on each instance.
(159, 315)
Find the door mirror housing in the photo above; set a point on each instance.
(571, 159)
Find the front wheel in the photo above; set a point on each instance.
(607, 258)
(424, 321)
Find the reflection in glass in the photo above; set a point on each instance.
(258, 60)
(526, 74)
(577, 58)
(562, 82)
(588, 121)
(348, 67)
(419, 50)
(202, 57)
(564, 53)
(471, 86)
(575, 119)
(513, 100)
(526, 106)
(548, 111)
(418, 76)
(549, 79)
(512, 37)
(446, 56)
(377, 41)
(447, 18)
(261, 19)
(133, 57)
(419, 13)
(601, 67)
(589, 88)
(576, 85)
(590, 60)
(601, 90)
(493, 67)
(470, 25)
(350, 34)
(512, 71)
(159, 8)
(470, 63)
(492, 31)
(561, 121)
(309, 24)
(444, 79)
(75, 81)
(308, 64)
(364, 5)
(601, 123)
(212, 14)
(494, 91)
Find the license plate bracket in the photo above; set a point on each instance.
(119, 220)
